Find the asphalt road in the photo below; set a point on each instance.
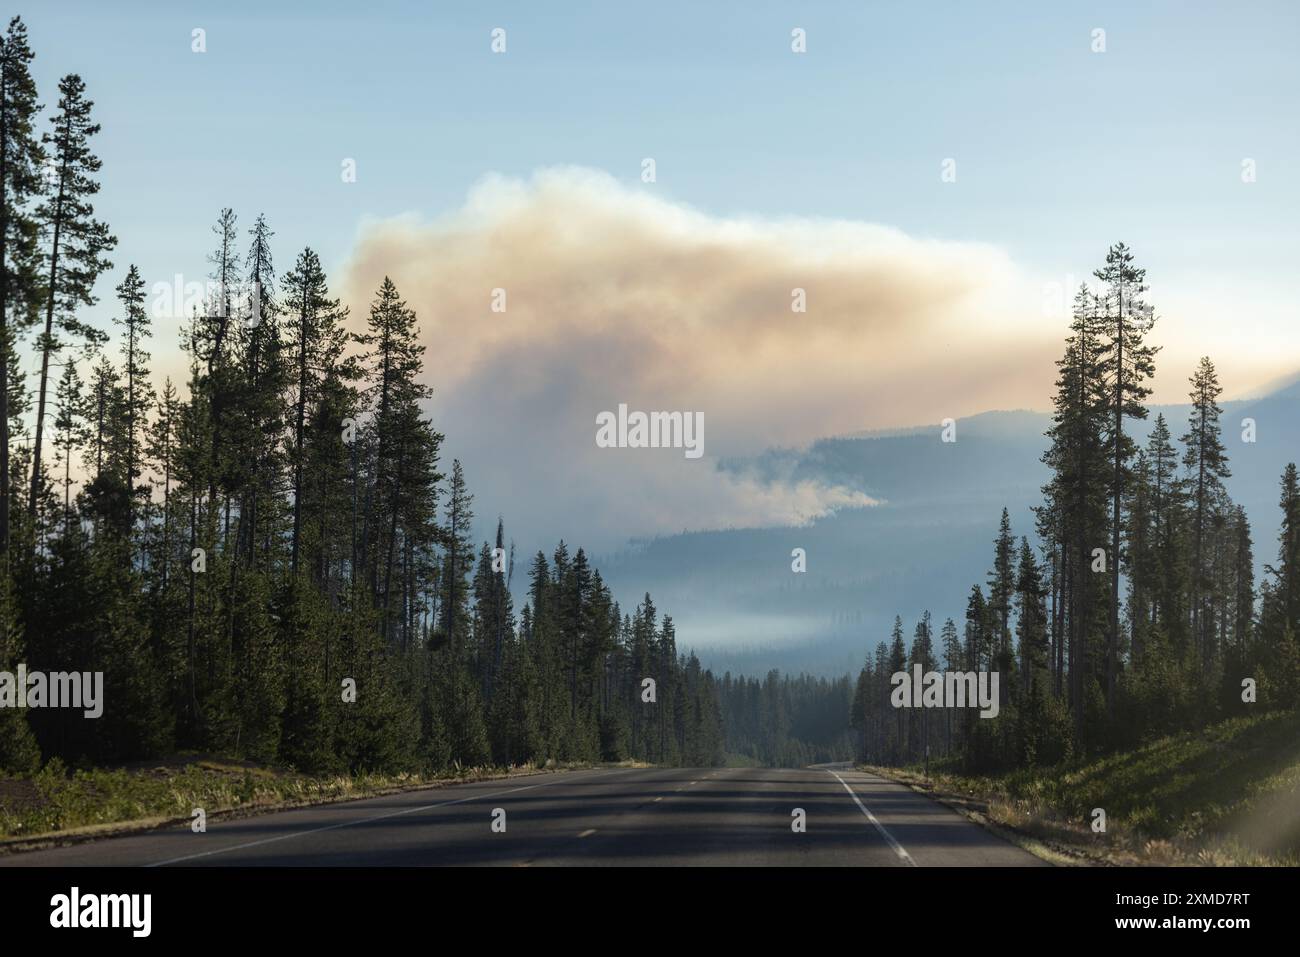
(676, 817)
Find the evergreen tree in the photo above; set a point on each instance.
(1207, 465)
(71, 432)
(135, 363)
(897, 663)
(463, 713)
(953, 655)
(1002, 583)
(78, 242)
(21, 158)
(1076, 493)
(266, 378)
(19, 751)
(1128, 361)
(316, 341)
(1279, 654)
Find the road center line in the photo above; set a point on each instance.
(898, 848)
(368, 820)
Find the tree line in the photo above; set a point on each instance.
(1086, 665)
(271, 560)
(787, 721)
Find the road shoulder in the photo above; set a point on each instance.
(977, 811)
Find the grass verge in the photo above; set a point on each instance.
(55, 806)
(1225, 795)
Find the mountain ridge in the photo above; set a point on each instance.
(929, 539)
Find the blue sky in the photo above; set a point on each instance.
(1059, 150)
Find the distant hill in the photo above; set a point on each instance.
(735, 600)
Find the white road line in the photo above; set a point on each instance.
(588, 832)
(898, 848)
(368, 820)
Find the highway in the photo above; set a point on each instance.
(609, 817)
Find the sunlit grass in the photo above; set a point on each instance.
(56, 801)
(1228, 794)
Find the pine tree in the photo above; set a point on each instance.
(77, 245)
(1167, 517)
(897, 663)
(1287, 570)
(160, 452)
(922, 654)
(21, 158)
(1076, 493)
(1279, 651)
(135, 363)
(463, 714)
(860, 712)
(266, 378)
(1002, 583)
(215, 330)
(1031, 618)
(402, 452)
(106, 456)
(19, 751)
(317, 341)
(1128, 362)
(953, 655)
(71, 432)
(1207, 465)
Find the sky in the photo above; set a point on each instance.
(774, 170)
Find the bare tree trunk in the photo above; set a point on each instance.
(298, 441)
(47, 343)
(1112, 638)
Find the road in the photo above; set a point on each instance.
(656, 816)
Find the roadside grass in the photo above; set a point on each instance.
(1226, 795)
(56, 802)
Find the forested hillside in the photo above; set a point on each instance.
(1131, 610)
(271, 559)
(921, 547)
(784, 721)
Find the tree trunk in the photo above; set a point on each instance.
(4, 336)
(47, 342)
(1112, 638)
(298, 436)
